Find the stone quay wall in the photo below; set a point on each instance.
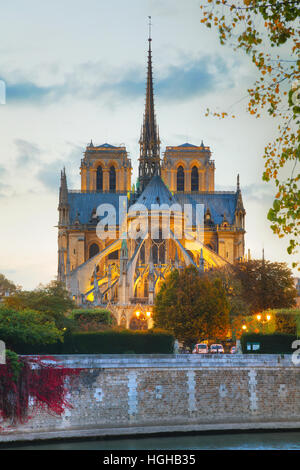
(130, 394)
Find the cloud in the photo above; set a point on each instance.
(258, 192)
(185, 80)
(27, 152)
(263, 193)
(39, 166)
(26, 91)
(3, 186)
(193, 79)
(49, 173)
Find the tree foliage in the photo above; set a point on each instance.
(286, 323)
(192, 307)
(233, 289)
(27, 326)
(6, 286)
(53, 301)
(259, 27)
(265, 285)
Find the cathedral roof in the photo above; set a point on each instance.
(156, 192)
(187, 145)
(218, 204)
(85, 203)
(108, 146)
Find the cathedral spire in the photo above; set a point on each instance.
(149, 140)
(63, 204)
(63, 190)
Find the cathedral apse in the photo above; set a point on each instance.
(122, 272)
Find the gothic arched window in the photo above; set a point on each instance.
(123, 321)
(195, 179)
(94, 249)
(142, 254)
(162, 253)
(99, 179)
(146, 288)
(180, 179)
(113, 255)
(155, 253)
(112, 179)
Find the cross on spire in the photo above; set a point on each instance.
(150, 24)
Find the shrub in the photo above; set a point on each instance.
(92, 319)
(27, 327)
(276, 343)
(106, 342)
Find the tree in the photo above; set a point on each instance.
(27, 326)
(192, 307)
(6, 286)
(265, 285)
(53, 301)
(286, 323)
(233, 289)
(258, 27)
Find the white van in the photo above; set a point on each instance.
(200, 348)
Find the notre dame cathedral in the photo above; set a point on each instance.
(123, 273)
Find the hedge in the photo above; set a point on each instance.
(276, 343)
(105, 342)
(92, 319)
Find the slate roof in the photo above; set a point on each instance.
(156, 192)
(187, 145)
(109, 146)
(218, 204)
(84, 203)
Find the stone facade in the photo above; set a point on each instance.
(131, 394)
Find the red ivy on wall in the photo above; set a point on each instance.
(30, 379)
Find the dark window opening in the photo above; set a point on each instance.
(162, 253)
(94, 250)
(99, 180)
(155, 254)
(114, 255)
(142, 254)
(195, 179)
(112, 179)
(180, 179)
(146, 288)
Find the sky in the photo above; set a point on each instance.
(74, 71)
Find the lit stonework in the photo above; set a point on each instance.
(105, 168)
(194, 163)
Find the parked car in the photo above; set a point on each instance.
(216, 349)
(200, 348)
(233, 350)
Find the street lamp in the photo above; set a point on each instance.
(263, 319)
